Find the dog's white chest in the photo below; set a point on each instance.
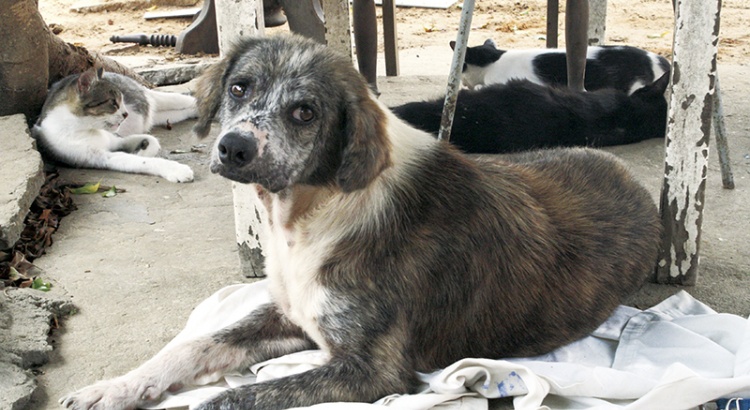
(292, 265)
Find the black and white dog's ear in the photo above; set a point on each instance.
(367, 150)
(209, 92)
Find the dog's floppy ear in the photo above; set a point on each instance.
(208, 92)
(367, 149)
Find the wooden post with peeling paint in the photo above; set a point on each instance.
(236, 19)
(688, 130)
(338, 27)
(597, 22)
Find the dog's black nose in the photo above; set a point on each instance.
(236, 150)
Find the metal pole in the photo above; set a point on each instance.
(727, 177)
(454, 79)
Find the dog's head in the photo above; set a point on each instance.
(292, 112)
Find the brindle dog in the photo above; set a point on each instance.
(389, 250)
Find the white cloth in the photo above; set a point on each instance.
(676, 355)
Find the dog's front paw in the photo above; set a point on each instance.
(177, 172)
(115, 394)
(237, 398)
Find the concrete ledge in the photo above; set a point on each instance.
(23, 175)
(25, 317)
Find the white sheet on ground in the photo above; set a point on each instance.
(676, 355)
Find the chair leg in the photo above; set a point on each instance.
(201, 36)
(305, 17)
(553, 14)
(366, 39)
(576, 41)
(390, 38)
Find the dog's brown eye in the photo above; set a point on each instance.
(238, 90)
(303, 114)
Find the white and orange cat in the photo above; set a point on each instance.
(101, 120)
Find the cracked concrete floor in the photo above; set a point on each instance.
(136, 264)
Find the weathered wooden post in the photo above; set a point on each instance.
(597, 22)
(338, 26)
(236, 19)
(688, 130)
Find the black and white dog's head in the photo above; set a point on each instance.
(292, 112)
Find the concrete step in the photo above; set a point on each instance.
(21, 177)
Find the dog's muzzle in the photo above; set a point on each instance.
(236, 151)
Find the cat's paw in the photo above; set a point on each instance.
(177, 172)
(148, 146)
(143, 145)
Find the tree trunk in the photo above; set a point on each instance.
(33, 58)
(23, 59)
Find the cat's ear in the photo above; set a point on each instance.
(86, 80)
(489, 42)
(209, 92)
(100, 73)
(453, 45)
(662, 83)
(657, 88)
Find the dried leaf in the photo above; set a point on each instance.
(88, 188)
(664, 33)
(14, 275)
(52, 204)
(110, 192)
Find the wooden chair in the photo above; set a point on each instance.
(307, 17)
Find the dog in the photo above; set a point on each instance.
(389, 250)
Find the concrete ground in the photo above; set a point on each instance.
(136, 264)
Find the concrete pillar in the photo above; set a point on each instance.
(236, 19)
(688, 130)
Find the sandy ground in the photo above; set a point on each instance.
(136, 264)
(512, 24)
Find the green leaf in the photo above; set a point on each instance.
(13, 274)
(39, 284)
(89, 188)
(110, 192)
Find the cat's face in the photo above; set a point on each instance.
(477, 61)
(99, 102)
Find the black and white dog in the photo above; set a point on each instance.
(389, 250)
